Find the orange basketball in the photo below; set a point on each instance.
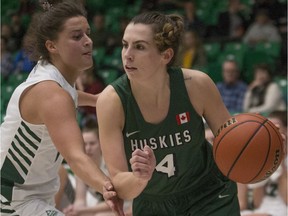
(248, 148)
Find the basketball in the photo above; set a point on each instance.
(248, 148)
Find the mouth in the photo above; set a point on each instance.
(87, 54)
(130, 68)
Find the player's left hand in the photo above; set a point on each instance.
(143, 163)
(111, 198)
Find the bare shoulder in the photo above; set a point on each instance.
(108, 97)
(109, 107)
(43, 99)
(196, 78)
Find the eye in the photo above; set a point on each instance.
(125, 45)
(77, 36)
(139, 47)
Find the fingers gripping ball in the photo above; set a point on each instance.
(248, 148)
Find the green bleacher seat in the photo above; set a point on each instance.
(214, 70)
(6, 92)
(98, 56)
(16, 79)
(235, 51)
(272, 49)
(113, 61)
(252, 58)
(108, 75)
(234, 47)
(117, 52)
(212, 50)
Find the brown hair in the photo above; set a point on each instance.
(46, 25)
(168, 30)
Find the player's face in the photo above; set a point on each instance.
(92, 146)
(73, 48)
(140, 55)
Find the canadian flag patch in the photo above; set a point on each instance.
(183, 118)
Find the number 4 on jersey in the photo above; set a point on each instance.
(167, 165)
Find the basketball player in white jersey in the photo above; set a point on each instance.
(40, 124)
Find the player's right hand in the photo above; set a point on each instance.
(143, 163)
(111, 198)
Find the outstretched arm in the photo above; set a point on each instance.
(111, 122)
(86, 99)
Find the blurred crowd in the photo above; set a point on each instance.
(247, 32)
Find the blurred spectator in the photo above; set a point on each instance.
(232, 88)
(263, 95)
(90, 83)
(6, 32)
(191, 21)
(192, 54)
(22, 62)
(275, 9)
(18, 30)
(87, 201)
(261, 30)
(231, 23)
(99, 33)
(94, 204)
(7, 66)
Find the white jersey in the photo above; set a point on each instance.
(29, 159)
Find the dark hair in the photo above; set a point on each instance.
(47, 25)
(90, 125)
(264, 67)
(168, 30)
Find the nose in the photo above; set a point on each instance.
(88, 41)
(128, 55)
(87, 148)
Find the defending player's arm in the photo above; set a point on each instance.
(57, 112)
(206, 99)
(87, 99)
(111, 122)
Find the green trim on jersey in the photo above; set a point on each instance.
(16, 164)
(184, 158)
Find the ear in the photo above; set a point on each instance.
(168, 55)
(50, 45)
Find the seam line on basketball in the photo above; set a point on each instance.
(243, 149)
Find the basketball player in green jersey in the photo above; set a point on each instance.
(40, 126)
(151, 117)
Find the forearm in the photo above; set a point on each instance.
(128, 186)
(98, 208)
(86, 169)
(86, 99)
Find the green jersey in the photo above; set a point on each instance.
(184, 157)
